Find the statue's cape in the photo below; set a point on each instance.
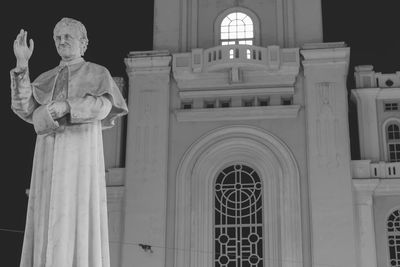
(85, 78)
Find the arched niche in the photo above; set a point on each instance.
(281, 197)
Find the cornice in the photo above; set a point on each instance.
(239, 113)
(148, 61)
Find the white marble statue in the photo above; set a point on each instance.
(68, 106)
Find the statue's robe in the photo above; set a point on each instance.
(66, 223)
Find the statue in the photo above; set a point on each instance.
(69, 105)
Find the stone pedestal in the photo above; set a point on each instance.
(328, 149)
(146, 159)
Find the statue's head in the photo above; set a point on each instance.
(70, 38)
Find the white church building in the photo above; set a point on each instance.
(236, 150)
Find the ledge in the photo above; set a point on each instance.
(362, 169)
(239, 113)
(184, 94)
(148, 61)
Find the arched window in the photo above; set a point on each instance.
(238, 213)
(237, 25)
(393, 232)
(237, 28)
(393, 142)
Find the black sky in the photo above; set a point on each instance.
(114, 29)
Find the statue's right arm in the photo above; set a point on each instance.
(22, 101)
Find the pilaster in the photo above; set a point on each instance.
(364, 217)
(146, 159)
(367, 122)
(328, 149)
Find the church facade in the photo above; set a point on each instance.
(237, 149)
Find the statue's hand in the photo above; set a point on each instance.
(58, 109)
(21, 50)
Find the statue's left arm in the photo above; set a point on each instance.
(89, 108)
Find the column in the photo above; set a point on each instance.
(364, 217)
(328, 150)
(146, 159)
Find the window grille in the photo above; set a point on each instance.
(393, 106)
(393, 142)
(393, 232)
(237, 28)
(238, 213)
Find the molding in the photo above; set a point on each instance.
(239, 113)
(388, 187)
(214, 80)
(148, 62)
(184, 94)
(387, 93)
(325, 56)
(377, 187)
(365, 185)
(277, 167)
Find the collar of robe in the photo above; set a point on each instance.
(71, 62)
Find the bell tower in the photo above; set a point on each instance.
(238, 85)
(181, 25)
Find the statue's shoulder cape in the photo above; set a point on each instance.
(85, 78)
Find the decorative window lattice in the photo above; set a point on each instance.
(237, 28)
(238, 228)
(393, 232)
(393, 140)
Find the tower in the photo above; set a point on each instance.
(376, 175)
(237, 144)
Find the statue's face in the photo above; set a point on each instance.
(68, 44)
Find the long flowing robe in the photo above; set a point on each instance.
(66, 223)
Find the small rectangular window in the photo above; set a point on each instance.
(286, 101)
(209, 103)
(391, 106)
(187, 105)
(248, 102)
(263, 101)
(224, 103)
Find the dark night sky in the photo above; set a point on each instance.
(117, 28)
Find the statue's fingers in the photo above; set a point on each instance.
(31, 45)
(25, 36)
(20, 37)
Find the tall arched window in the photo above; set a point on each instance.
(393, 232)
(238, 213)
(393, 142)
(237, 28)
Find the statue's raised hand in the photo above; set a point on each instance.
(21, 50)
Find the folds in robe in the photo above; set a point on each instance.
(66, 223)
(85, 78)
